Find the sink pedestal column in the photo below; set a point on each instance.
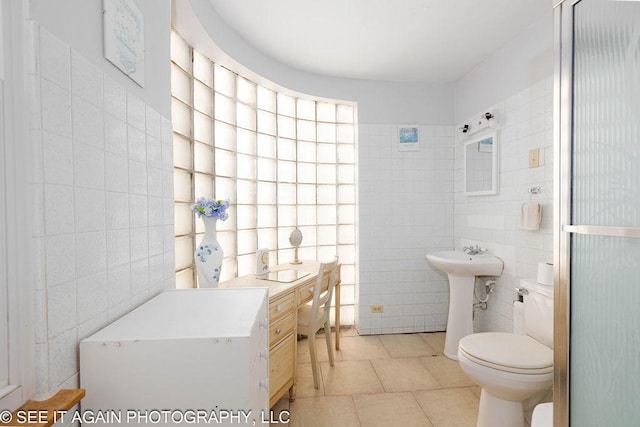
(460, 321)
(462, 269)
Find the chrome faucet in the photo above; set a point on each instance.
(471, 250)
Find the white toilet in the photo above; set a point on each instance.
(543, 415)
(511, 367)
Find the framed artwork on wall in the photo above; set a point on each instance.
(408, 138)
(123, 26)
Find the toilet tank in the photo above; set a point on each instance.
(538, 311)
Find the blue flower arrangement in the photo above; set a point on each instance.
(211, 208)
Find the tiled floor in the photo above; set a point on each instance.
(383, 380)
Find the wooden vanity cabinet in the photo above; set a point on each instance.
(282, 346)
(284, 300)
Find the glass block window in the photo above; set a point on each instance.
(283, 160)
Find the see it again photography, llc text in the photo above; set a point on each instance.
(153, 416)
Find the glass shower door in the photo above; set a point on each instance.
(603, 224)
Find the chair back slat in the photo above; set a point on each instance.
(323, 299)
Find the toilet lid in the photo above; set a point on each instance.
(508, 352)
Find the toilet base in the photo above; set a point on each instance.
(495, 412)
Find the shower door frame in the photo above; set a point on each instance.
(563, 226)
(562, 129)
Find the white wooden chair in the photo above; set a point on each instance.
(313, 317)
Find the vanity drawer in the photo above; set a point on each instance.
(281, 306)
(305, 292)
(281, 366)
(280, 329)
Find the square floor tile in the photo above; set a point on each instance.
(304, 385)
(435, 340)
(407, 345)
(323, 412)
(450, 406)
(448, 372)
(348, 332)
(382, 380)
(404, 374)
(390, 409)
(282, 404)
(321, 350)
(350, 377)
(362, 348)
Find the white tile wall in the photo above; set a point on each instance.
(405, 212)
(412, 203)
(104, 179)
(88, 123)
(55, 103)
(86, 81)
(103, 191)
(58, 159)
(115, 132)
(524, 123)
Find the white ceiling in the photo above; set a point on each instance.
(401, 40)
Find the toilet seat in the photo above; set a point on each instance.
(508, 352)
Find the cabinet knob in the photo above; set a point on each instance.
(264, 353)
(264, 323)
(265, 384)
(278, 331)
(279, 308)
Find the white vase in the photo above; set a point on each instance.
(208, 256)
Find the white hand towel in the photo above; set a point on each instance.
(530, 216)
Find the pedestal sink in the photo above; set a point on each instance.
(462, 270)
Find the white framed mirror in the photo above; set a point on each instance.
(481, 165)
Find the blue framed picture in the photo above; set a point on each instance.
(408, 138)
